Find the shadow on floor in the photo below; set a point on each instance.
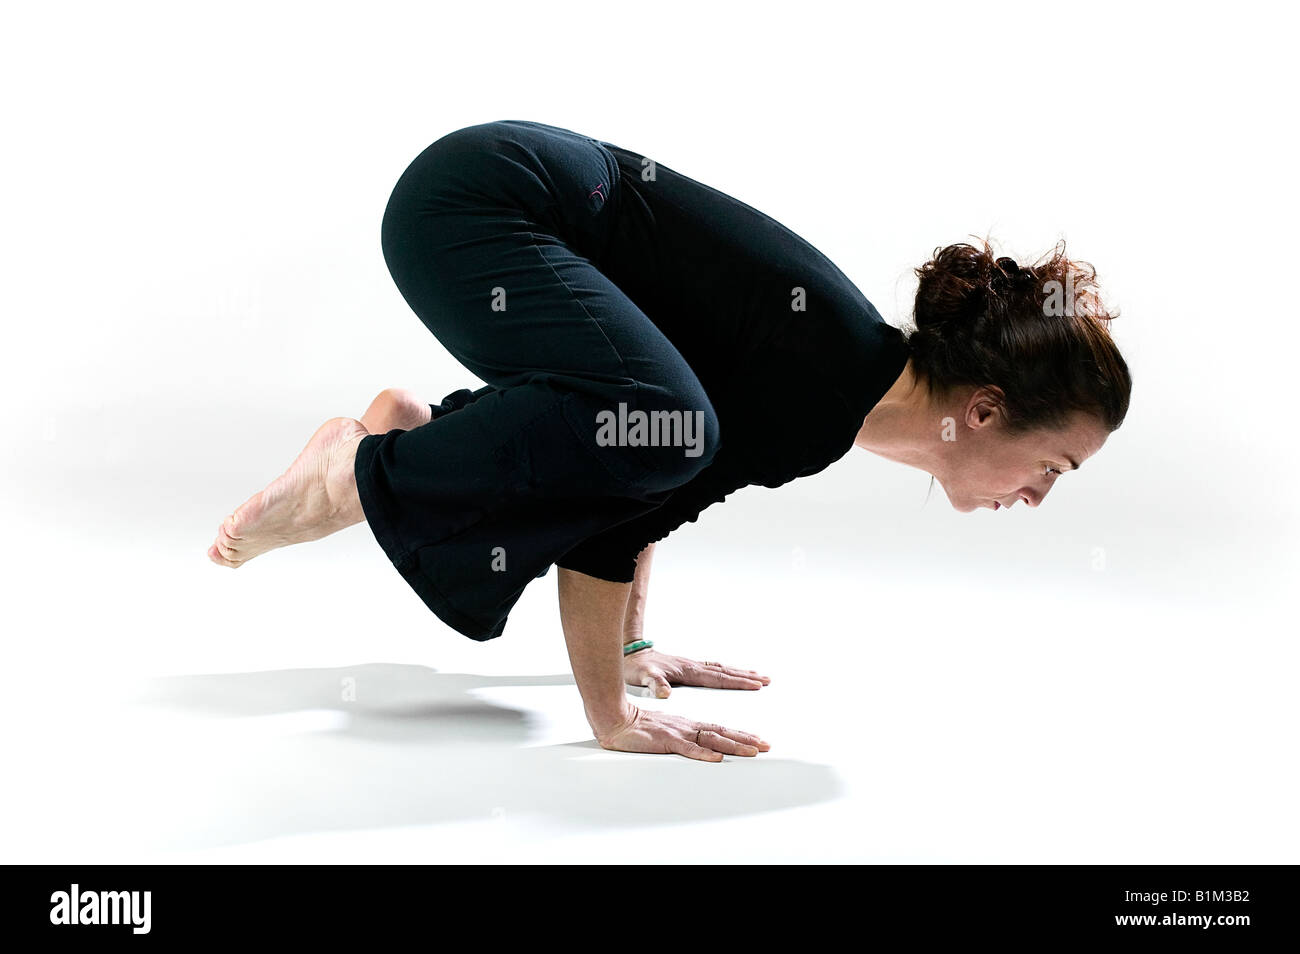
(414, 746)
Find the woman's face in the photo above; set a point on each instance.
(986, 467)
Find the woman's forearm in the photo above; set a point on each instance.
(634, 618)
(592, 612)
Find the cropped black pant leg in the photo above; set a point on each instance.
(492, 235)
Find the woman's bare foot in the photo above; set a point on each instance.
(396, 408)
(315, 497)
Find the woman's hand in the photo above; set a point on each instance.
(659, 672)
(662, 733)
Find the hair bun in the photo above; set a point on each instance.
(1008, 274)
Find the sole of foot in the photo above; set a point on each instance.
(314, 497)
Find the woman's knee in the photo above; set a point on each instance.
(678, 438)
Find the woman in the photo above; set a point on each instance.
(651, 345)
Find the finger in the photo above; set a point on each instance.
(737, 671)
(686, 747)
(722, 743)
(717, 679)
(749, 738)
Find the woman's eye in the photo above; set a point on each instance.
(1051, 470)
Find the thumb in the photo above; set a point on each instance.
(657, 684)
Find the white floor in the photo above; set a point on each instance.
(924, 706)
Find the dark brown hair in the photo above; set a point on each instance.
(1039, 333)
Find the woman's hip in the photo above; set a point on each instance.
(509, 174)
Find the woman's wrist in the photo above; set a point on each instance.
(607, 721)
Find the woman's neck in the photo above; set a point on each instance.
(903, 426)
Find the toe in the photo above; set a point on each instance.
(226, 551)
(226, 539)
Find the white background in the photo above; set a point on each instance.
(193, 283)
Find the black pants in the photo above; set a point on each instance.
(494, 235)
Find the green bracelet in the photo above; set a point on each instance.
(639, 644)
